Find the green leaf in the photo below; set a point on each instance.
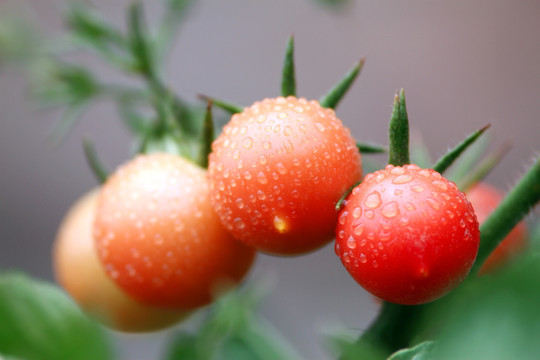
(288, 79)
(140, 45)
(39, 322)
(332, 98)
(174, 15)
(93, 161)
(517, 203)
(366, 148)
(229, 107)
(399, 132)
(207, 136)
(66, 122)
(422, 351)
(446, 160)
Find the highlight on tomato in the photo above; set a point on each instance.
(407, 235)
(81, 274)
(159, 238)
(484, 199)
(277, 171)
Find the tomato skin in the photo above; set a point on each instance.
(407, 235)
(159, 237)
(81, 274)
(277, 171)
(485, 198)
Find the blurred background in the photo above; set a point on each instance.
(463, 64)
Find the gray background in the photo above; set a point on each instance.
(462, 63)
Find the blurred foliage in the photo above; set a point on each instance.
(38, 321)
(232, 330)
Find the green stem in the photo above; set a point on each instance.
(509, 213)
(207, 136)
(93, 161)
(399, 132)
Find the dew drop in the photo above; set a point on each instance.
(261, 195)
(369, 214)
(373, 200)
(281, 169)
(341, 234)
(247, 175)
(397, 170)
(402, 179)
(417, 188)
(440, 184)
(390, 210)
(287, 131)
(239, 224)
(351, 242)
(239, 203)
(236, 154)
(433, 203)
(343, 217)
(337, 249)
(363, 242)
(398, 192)
(346, 257)
(320, 127)
(409, 206)
(266, 145)
(357, 212)
(375, 264)
(248, 142)
(261, 178)
(358, 229)
(363, 258)
(262, 159)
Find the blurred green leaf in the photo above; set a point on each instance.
(464, 165)
(232, 330)
(19, 42)
(493, 317)
(39, 322)
(174, 14)
(423, 351)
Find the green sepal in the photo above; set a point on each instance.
(367, 148)
(483, 168)
(332, 98)
(93, 161)
(513, 208)
(229, 107)
(207, 136)
(447, 159)
(288, 79)
(398, 154)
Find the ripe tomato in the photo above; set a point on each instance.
(277, 171)
(79, 271)
(484, 199)
(159, 238)
(407, 235)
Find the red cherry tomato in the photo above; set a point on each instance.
(407, 235)
(81, 274)
(277, 171)
(485, 199)
(159, 237)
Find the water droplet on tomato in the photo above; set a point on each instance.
(357, 212)
(239, 223)
(261, 178)
(351, 242)
(433, 203)
(248, 142)
(373, 200)
(390, 210)
(417, 188)
(402, 179)
(358, 229)
(343, 217)
(239, 203)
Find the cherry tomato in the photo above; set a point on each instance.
(159, 238)
(485, 199)
(81, 274)
(407, 235)
(277, 171)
